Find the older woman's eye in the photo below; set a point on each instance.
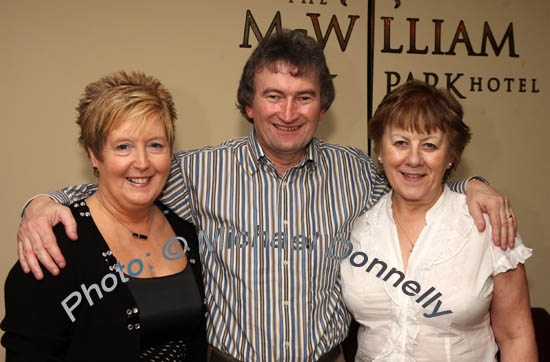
(123, 147)
(431, 146)
(400, 143)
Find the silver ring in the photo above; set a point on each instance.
(509, 216)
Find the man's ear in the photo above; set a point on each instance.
(322, 113)
(249, 112)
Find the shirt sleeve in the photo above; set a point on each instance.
(504, 260)
(176, 192)
(377, 182)
(460, 185)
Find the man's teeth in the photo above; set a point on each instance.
(139, 180)
(283, 128)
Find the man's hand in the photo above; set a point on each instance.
(483, 198)
(35, 237)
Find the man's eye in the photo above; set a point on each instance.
(305, 98)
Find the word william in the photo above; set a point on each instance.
(410, 287)
(110, 281)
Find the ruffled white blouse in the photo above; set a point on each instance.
(439, 309)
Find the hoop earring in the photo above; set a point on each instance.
(379, 159)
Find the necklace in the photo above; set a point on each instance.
(134, 234)
(404, 232)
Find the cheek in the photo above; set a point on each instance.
(163, 164)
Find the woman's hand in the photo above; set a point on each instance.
(35, 238)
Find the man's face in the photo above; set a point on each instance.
(286, 110)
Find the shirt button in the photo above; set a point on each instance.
(285, 262)
(129, 311)
(285, 222)
(286, 303)
(137, 326)
(287, 344)
(130, 327)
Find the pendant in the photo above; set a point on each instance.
(139, 236)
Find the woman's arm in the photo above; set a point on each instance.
(37, 326)
(511, 317)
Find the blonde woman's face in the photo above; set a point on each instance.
(135, 165)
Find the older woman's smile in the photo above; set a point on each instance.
(415, 163)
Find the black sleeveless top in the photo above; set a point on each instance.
(166, 304)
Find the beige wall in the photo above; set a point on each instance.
(51, 50)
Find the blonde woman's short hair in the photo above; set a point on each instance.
(121, 96)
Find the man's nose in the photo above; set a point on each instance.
(287, 113)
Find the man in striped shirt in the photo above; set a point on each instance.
(273, 210)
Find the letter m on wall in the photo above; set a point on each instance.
(250, 23)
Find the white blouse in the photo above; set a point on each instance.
(439, 309)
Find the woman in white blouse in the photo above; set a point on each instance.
(421, 281)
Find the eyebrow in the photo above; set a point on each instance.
(302, 92)
(428, 137)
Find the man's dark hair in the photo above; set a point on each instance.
(292, 47)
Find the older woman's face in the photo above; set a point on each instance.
(415, 164)
(136, 164)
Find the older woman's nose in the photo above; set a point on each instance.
(414, 158)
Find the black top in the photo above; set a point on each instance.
(88, 313)
(166, 304)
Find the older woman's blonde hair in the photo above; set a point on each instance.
(121, 96)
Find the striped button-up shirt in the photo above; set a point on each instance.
(271, 243)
